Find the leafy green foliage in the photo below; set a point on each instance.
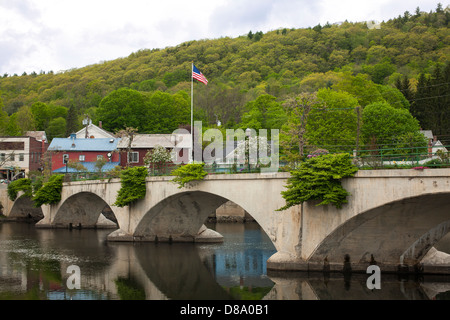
(121, 108)
(386, 125)
(190, 172)
(133, 186)
(352, 57)
(15, 186)
(335, 122)
(319, 178)
(50, 192)
(128, 289)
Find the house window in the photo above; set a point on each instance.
(81, 157)
(2, 157)
(12, 157)
(133, 157)
(21, 157)
(99, 157)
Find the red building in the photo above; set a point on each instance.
(143, 143)
(84, 151)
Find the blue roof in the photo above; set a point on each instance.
(90, 166)
(97, 144)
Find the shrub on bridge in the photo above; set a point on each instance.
(190, 172)
(319, 178)
(132, 186)
(15, 186)
(50, 192)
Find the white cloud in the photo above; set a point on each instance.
(59, 35)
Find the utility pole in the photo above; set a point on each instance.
(86, 124)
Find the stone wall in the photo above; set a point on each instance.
(231, 212)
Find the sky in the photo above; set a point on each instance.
(59, 35)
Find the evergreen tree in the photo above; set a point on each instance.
(71, 120)
(419, 105)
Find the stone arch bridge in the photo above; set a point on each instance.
(392, 218)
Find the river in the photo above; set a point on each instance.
(37, 264)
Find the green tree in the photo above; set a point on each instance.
(379, 71)
(385, 125)
(3, 119)
(23, 184)
(123, 108)
(50, 192)
(188, 173)
(72, 124)
(360, 86)
(41, 114)
(157, 159)
(333, 124)
(319, 178)
(167, 112)
(25, 119)
(292, 135)
(13, 128)
(263, 113)
(56, 128)
(133, 186)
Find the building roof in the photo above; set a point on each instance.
(427, 133)
(38, 135)
(147, 141)
(94, 132)
(75, 144)
(90, 166)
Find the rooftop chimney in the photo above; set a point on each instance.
(100, 124)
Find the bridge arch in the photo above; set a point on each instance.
(23, 208)
(82, 209)
(178, 217)
(397, 233)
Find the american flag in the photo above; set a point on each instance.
(196, 74)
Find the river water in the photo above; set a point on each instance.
(38, 264)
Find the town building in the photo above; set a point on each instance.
(133, 154)
(22, 154)
(91, 131)
(87, 152)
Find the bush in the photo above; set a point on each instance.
(15, 186)
(50, 192)
(188, 173)
(133, 186)
(319, 178)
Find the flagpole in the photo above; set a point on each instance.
(192, 115)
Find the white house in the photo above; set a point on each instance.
(92, 131)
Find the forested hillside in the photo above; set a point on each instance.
(401, 64)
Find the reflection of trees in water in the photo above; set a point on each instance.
(248, 292)
(129, 289)
(41, 276)
(37, 260)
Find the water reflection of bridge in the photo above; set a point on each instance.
(176, 271)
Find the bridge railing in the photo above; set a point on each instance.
(395, 158)
(162, 170)
(410, 157)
